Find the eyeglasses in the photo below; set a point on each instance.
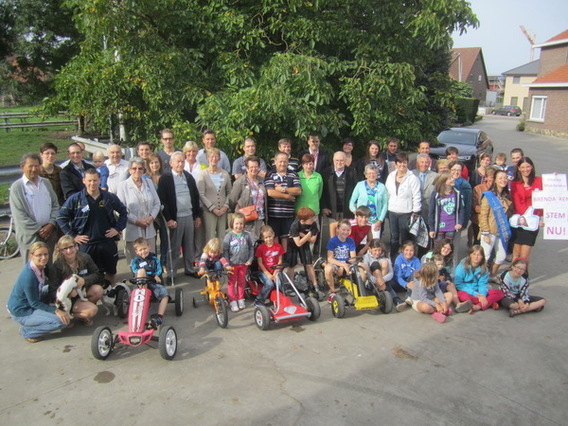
(137, 168)
(67, 248)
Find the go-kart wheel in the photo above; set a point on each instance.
(338, 306)
(194, 302)
(385, 302)
(167, 343)
(122, 302)
(262, 317)
(221, 312)
(179, 302)
(322, 283)
(313, 308)
(102, 343)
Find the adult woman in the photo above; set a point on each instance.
(373, 156)
(471, 282)
(154, 168)
(478, 175)
(347, 148)
(153, 172)
(214, 186)
(69, 261)
(28, 302)
(405, 199)
(312, 185)
(373, 194)
(249, 190)
(192, 166)
(496, 208)
(473, 230)
(522, 186)
(141, 199)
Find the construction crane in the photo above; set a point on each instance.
(531, 37)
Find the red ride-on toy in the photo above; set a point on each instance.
(140, 328)
(287, 303)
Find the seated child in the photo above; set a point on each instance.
(379, 267)
(515, 286)
(268, 254)
(427, 297)
(303, 231)
(446, 284)
(361, 229)
(210, 260)
(339, 250)
(147, 264)
(405, 265)
(500, 161)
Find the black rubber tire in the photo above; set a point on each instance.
(338, 306)
(122, 303)
(508, 114)
(221, 312)
(194, 302)
(385, 302)
(179, 302)
(10, 248)
(102, 343)
(493, 112)
(262, 317)
(313, 308)
(167, 343)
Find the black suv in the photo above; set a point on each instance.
(469, 142)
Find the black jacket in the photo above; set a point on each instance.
(323, 160)
(71, 179)
(329, 196)
(167, 194)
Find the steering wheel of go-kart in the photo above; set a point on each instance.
(141, 281)
(354, 260)
(280, 266)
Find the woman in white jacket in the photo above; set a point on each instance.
(403, 188)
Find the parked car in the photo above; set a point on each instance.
(507, 110)
(470, 143)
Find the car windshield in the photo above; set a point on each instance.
(457, 137)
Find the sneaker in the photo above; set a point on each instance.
(495, 306)
(408, 300)
(155, 321)
(241, 304)
(438, 316)
(400, 304)
(34, 339)
(234, 306)
(257, 303)
(464, 306)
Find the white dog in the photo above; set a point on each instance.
(62, 300)
(109, 298)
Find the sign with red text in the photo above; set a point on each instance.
(553, 199)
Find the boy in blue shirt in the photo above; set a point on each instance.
(339, 250)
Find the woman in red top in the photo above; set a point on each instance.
(522, 187)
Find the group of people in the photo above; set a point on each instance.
(185, 199)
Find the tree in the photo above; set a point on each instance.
(364, 68)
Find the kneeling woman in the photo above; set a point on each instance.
(28, 303)
(471, 282)
(69, 261)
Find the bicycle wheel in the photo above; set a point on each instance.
(8, 245)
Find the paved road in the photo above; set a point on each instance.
(401, 368)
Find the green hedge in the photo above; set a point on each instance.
(466, 110)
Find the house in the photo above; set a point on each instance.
(467, 65)
(548, 94)
(516, 80)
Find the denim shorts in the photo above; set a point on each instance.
(158, 290)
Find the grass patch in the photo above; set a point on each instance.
(17, 142)
(24, 108)
(4, 192)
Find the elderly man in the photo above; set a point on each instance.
(178, 193)
(426, 178)
(34, 206)
(338, 185)
(209, 141)
(239, 166)
(167, 139)
(117, 167)
(73, 173)
(321, 159)
(95, 219)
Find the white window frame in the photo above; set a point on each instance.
(538, 115)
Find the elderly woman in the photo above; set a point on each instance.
(249, 190)
(192, 166)
(69, 261)
(141, 199)
(214, 186)
(373, 194)
(28, 302)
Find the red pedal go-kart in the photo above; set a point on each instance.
(140, 328)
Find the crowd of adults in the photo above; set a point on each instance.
(183, 198)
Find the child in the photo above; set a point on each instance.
(446, 209)
(515, 286)
(99, 163)
(445, 248)
(500, 161)
(238, 253)
(405, 265)
(446, 284)
(427, 297)
(268, 254)
(339, 250)
(361, 229)
(211, 259)
(379, 267)
(303, 231)
(147, 264)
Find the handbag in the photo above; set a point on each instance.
(249, 212)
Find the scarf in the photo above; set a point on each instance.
(500, 218)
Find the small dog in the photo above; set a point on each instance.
(62, 300)
(109, 298)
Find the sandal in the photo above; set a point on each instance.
(514, 312)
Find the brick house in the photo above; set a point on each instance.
(516, 80)
(549, 92)
(467, 65)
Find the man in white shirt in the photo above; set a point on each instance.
(117, 167)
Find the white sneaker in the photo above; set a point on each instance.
(241, 304)
(234, 306)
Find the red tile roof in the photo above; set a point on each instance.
(557, 75)
(562, 36)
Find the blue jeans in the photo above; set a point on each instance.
(267, 286)
(38, 323)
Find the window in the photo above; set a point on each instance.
(514, 101)
(516, 80)
(538, 108)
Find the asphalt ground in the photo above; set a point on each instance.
(368, 368)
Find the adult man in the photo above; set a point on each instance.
(117, 167)
(178, 193)
(390, 154)
(34, 207)
(338, 185)
(72, 174)
(423, 148)
(50, 170)
(90, 217)
(321, 159)
(143, 149)
(516, 155)
(285, 146)
(167, 139)
(426, 178)
(209, 141)
(282, 187)
(239, 166)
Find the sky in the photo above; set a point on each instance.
(504, 45)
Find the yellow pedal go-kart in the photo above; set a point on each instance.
(212, 294)
(354, 293)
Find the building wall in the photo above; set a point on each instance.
(555, 117)
(518, 90)
(477, 80)
(552, 57)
